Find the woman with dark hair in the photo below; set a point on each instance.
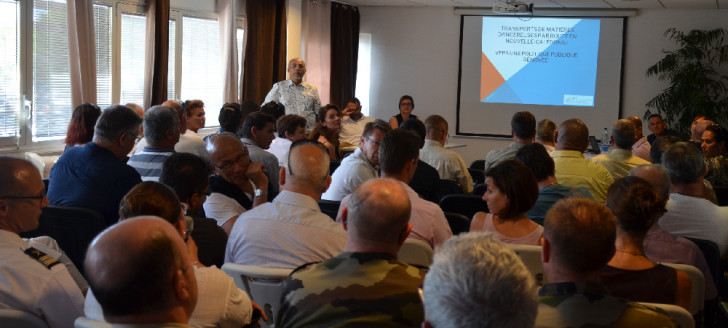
(715, 154)
(406, 106)
(230, 118)
(327, 130)
(81, 127)
(512, 191)
(630, 274)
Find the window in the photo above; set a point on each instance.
(9, 68)
(103, 19)
(201, 76)
(364, 66)
(133, 29)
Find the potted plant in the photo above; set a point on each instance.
(696, 83)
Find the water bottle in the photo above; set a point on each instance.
(605, 140)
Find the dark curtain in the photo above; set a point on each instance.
(157, 53)
(344, 52)
(265, 50)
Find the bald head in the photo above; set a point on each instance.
(16, 175)
(657, 176)
(139, 268)
(222, 143)
(181, 117)
(19, 178)
(308, 168)
(573, 134)
(377, 213)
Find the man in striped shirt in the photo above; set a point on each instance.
(161, 133)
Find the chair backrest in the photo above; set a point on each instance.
(415, 252)
(466, 205)
(263, 285)
(721, 193)
(479, 189)
(477, 174)
(677, 313)
(478, 164)
(458, 223)
(330, 207)
(711, 253)
(531, 257)
(448, 187)
(16, 318)
(697, 296)
(83, 322)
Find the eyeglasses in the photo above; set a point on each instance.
(376, 143)
(227, 165)
(407, 104)
(41, 196)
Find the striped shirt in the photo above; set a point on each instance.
(149, 162)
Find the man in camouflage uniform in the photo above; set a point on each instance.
(578, 241)
(365, 284)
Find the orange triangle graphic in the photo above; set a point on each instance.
(490, 78)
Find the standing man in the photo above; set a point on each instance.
(352, 124)
(300, 98)
(658, 127)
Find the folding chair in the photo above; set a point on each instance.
(415, 252)
(17, 318)
(263, 285)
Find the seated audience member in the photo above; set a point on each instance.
(523, 132)
(545, 132)
(326, 131)
(474, 271)
(365, 284)
(139, 271)
(81, 127)
(352, 124)
(273, 109)
(640, 148)
(715, 154)
(220, 303)
(630, 274)
(512, 191)
(578, 242)
(426, 181)
(696, 138)
(161, 133)
(194, 111)
(140, 137)
(700, 127)
(659, 146)
(406, 106)
(290, 128)
(230, 119)
(572, 170)
(449, 164)
(188, 175)
(291, 230)
(550, 191)
(257, 135)
(95, 176)
(662, 246)
(189, 145)
(658, 127)
(193, 115)
(620, 159)
(689, 214)
(31, 280)
(397, 160)
(237, 185)
(360, 166)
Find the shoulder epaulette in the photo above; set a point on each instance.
(44, 259)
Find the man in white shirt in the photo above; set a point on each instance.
(300, 98)
(449, 164)
(290, 128)
(619, 161)
(291, 230)
(361, 165)
(352, 124)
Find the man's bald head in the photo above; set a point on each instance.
(180, 114)
(308, 167)
(378, 212)
(657, 176)
(19, 178)
(140, 267)
(222, 143)
(573, 134)
(15, 175)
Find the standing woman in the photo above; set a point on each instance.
(327, 130)
(81, 127)
(406, 106)
(715, 155)
(195, 112)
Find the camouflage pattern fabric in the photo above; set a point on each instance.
(587, 304)
(353, 289)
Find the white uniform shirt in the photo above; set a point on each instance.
(302, 100)
(449, 164)
(28, 285)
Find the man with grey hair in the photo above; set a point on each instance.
(662, 246)
(523, 132)
(364, 285)
(162, 133)
(545, 132)
(291, 230)
(688, 213)
(476, 271)
(95, 176)
(620, 159)
(299, 97)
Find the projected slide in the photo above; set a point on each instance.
(539, 61)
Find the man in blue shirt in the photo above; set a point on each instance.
(95, 176)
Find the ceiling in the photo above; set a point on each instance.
(556, 4)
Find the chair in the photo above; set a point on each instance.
(711, 253)
(466, 205)
(478, 175)
(448, 187)
(531, 258)
(263, 285)
(458, 223)
(330, 207)
(16, 318)
(478, 164)
(677, 313)
(415, 252)
(697, 297)
(721, 193)
(72, 227)
(479, 189)
(83, 322)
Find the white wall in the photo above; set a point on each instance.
(415, 52)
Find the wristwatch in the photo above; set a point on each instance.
(260, 192)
